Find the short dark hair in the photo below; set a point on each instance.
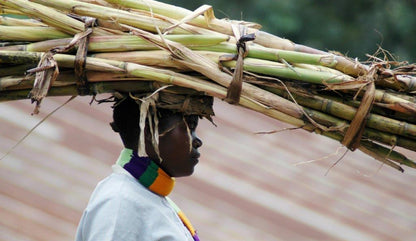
(126, 117)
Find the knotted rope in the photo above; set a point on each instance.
(355, 131)
(234, 89)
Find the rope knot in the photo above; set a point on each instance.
(235, 87)
(355, 131)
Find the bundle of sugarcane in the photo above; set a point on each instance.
(88, 47)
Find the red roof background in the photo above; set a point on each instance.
(246, 187)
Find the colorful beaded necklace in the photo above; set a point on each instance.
(150, 175)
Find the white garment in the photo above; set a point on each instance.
(121, 209)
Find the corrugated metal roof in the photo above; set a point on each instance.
(246, 186)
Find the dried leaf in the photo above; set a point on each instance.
(46, 74)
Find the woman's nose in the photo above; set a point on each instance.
(196, 142)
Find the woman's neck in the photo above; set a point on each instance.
(147, 172)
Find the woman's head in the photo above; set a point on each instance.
(178, 143)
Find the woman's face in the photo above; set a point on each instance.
(178, 145)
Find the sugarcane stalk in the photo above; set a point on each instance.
(125, 43)
(390, 139)
(394, 102)
(347, 112)
(398, 116)
(314, 67)
(162, 9)
(15, 69)
(389, 100)
(10, 81)
(386, 153)
(66, 77)
(400, 82)
(410, 98)
(10, 21)
(30, 33)
(378, 152)
(15, 58)
(338, 125)
(277, 55)
(94, 88)
(42, 46)
(48, 15)
(409, 81)
(157, 58)
(130, 43)
(372, 151)
(120, 16)
(378, 108)
(208, 21)
(8, 11)
(335, 124)
(281, 70)
(11, 95)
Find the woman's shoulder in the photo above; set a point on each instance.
(125, 189)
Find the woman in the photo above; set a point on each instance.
(132, 203)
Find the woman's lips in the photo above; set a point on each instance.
(195, 156)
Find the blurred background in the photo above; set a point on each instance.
(247, 186)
